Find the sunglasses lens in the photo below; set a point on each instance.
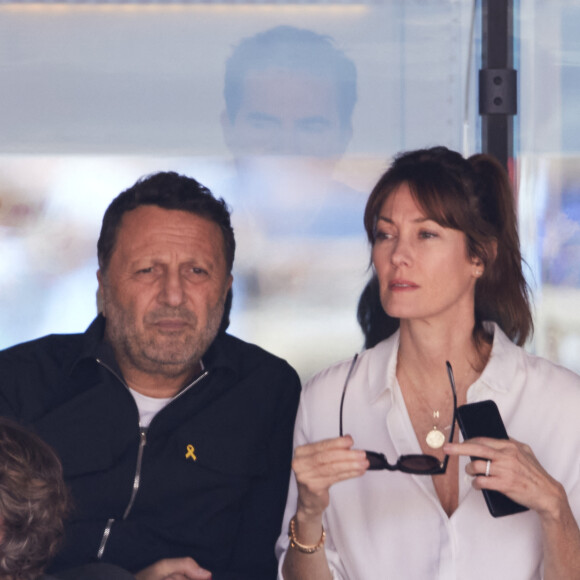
(419, 463)
(377, 460)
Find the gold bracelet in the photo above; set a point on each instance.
(296, 545)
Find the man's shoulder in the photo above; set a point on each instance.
(247, 357)
(33, 372)
(51, 346)
(57, 348)
(39, 363)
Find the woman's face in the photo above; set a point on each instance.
(423, 268)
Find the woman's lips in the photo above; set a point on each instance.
(402, 285)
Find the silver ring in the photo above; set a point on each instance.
(487, 467)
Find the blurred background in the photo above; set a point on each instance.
(290, 111)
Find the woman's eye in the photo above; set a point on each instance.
(382, 236)
(425, 235)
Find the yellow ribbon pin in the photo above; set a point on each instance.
(190, 453)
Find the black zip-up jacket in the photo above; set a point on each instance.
(207, 479)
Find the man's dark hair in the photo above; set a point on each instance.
(33, 503)
(167, 190)
(295, 49)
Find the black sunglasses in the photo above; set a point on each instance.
(417, 464)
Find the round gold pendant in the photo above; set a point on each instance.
(435, 438)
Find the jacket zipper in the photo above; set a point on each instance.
(105, 537)
(137, 480)
(142, 443)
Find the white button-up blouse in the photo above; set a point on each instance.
(390, 525)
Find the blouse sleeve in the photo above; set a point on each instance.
(301, 437)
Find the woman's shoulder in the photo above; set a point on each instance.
(359, 366)
(517, 364)
(320, 405)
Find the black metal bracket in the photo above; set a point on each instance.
(498, 91)
(497, 80)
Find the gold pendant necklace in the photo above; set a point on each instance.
(435, 438)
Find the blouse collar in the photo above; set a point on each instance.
(498, 374)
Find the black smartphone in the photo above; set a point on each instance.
(482, 419)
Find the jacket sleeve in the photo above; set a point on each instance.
(253, 555)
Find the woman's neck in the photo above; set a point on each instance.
(424, 349)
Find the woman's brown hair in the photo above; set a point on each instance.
(471, 195)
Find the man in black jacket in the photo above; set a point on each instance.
(175, 437)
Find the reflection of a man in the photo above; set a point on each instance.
(289, 91)
(290, 95)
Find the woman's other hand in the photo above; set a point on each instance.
(514, 471)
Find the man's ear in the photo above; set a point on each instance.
(228, 131)
(100, 296)
(345, 137)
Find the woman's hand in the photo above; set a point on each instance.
(319, 465)
(514, 471)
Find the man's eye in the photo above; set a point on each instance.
(314, 126)
(145, 270)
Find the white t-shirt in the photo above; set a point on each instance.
(386, 524)
(148, 407)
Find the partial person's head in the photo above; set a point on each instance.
(166, 252)
(33, 503)
(288, 91)
(470, 196)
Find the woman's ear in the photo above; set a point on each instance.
(477, 267)
(478, 264)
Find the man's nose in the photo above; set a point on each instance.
(172, 292)
(286, 141)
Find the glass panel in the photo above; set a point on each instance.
(96, 95)
(549, 160)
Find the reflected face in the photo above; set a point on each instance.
(423, 268)
(164, 290)
(287, 113)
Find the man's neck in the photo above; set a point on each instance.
(159, 385)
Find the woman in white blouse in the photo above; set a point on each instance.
(447, 265)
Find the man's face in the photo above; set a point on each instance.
(164, 290)
(286, 112)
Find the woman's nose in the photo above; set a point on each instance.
(402, 252)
